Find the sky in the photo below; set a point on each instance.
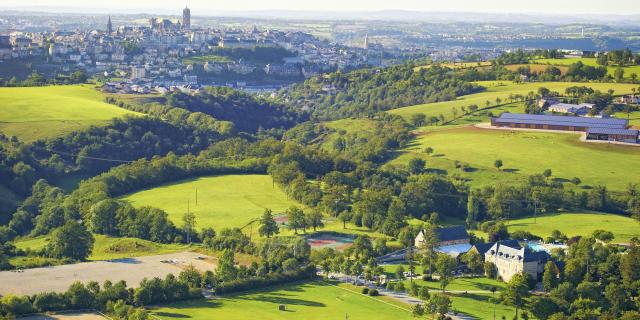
(217, 6)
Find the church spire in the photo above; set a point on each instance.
(109, 26)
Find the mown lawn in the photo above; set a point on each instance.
(524, 153)
(502, 90)
(303, 301)
(223, 201)
(33, 113)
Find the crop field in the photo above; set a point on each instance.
(574, 224)
(303, 301)
(43, 112)
(502, 90)
(590, 62)
(222, 201)
(595, 164)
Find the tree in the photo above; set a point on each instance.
(268, 225)
(444, 265)
(428, 245)
(226, 270)
(189, 224)
(550, 277)
(619, 74)
(490, 270)
(344, 217)
(296, 219)
(314, 219)
(417, 310)
(547, 173)
(416, 165)
(498, 164)
(473, 260)
(103, 217)
(439, 304)
(72, 241)
(428, 150)
(191, 277)
(543, 307)
(418, 119)
(79, 296)
(516, 291)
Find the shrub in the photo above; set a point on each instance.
(307, 272)
(373, 292)
(365, 290)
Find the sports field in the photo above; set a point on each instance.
(502, 90)
(521, 152)
(303, 301)
(33, 113)
(579, 224)
(223, 201)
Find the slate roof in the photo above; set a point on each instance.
(517, 252)
(563, 120)
(452, 233)
(484, 247)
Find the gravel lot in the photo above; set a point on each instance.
(70, 316)
(131, 270)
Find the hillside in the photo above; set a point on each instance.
(33, 113)
(223, 201)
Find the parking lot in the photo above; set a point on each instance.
(131, 270)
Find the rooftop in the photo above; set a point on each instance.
(452, 233)
(613, 123)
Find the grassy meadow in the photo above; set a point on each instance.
(502, 90)
(590, 62)
(223, 201)
(303, 301)
(32, 113)
(524, 153)
(107, 248)
(575, 224)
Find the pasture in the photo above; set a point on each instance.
(502, 90)
(107, 248)
(33, 113)
(589, 62)
(303, 301)
(222, 201)
(575, 224)
(614, 166)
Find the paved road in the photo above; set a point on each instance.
(131, 270)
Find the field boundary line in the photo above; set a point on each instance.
(370, 297)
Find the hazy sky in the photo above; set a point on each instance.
(212, 6)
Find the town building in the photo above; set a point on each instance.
(568, 108)
(609, 134)
(186, 18)
(510, 259)
(482, 248)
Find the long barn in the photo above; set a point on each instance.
(608, 129)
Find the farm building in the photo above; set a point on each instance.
(608, 134)
(608, 129)
(446, 236)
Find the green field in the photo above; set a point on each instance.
(589, 62)
(107, 248)
(223, 201)
(502, 90)
(614, 166)
(579, 224)
(33, 113)
(303, 301)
